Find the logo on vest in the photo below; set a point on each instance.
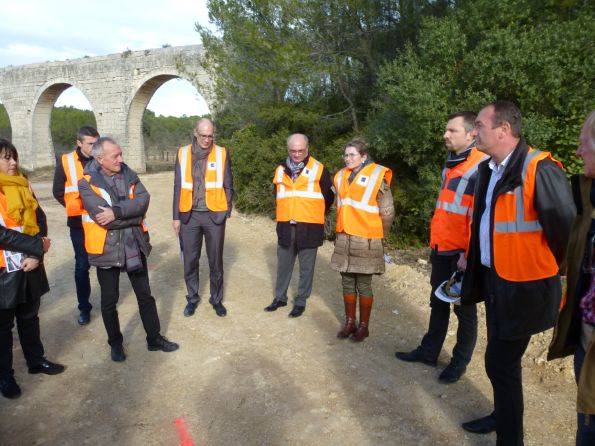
(212, 165)
(306, 172)
(363, 181)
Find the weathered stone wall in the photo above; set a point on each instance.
(118, 87)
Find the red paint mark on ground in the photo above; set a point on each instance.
(183, 434)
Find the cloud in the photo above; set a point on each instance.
(35, 31)
(178, 97)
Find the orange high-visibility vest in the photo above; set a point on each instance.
(214, 193)
(96, 234)
(357, 207)
(7, 221)
(302, 200)
(521, 251)
(449, 229)
(73, 168)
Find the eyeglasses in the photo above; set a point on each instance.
(351, 155)
(297, 152)
(205, 136)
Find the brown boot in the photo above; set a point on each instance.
(349, 300)
(365, 308)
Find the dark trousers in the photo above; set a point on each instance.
(503, 367)
(191, 235)
(28, 329)
(81, 269)
(442, 268)
(285, 263)
(585, 426)
(109, 281)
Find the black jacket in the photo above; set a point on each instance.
(59, 185)
(520, 309)
(17, 286)
(308, 235)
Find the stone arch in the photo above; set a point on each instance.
(144, 91)
(6, 133)
(41, 112)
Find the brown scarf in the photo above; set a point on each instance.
(21, 204)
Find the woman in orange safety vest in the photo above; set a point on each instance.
(365, 213)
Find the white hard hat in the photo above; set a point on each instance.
(450, 290)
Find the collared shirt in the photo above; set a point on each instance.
(486, 217)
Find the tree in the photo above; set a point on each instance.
(537, 57)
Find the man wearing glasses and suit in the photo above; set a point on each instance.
(304, 192)
(203, 190)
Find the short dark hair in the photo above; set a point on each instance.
(360, 145)
(7, 148)
(468, 119)
(507, 111)
(86, 130)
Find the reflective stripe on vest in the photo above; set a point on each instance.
(456, 207)
(450, 225)
(73, 169)
(521, 251)
(215, 197)
(7, 222)
(96, 234)
(300, 200)
(357, 209)
(519, 224)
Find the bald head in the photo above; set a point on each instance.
(204, 132)
(297, 147)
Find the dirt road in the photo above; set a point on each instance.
(256, 378)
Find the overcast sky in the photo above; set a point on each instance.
(35, 31)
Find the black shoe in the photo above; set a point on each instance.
(9, 388)
(416, 355)
(190, 309)
(297, 311)
(84, 318)
(452, 373)
(163, 344)
(483, 425)
(47, 367)
(219, 309)
(275, 304)
(118, 354)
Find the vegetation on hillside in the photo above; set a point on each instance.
(161, 133)
(392, 71)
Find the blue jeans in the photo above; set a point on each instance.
(81, 269)
(585, 433)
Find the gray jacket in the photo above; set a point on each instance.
(129, 213)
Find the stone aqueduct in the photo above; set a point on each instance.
(118, 87)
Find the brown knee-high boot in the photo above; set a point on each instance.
(365, 308)
(350, 301)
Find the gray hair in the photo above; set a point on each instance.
(97, 149)
(589, 126)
